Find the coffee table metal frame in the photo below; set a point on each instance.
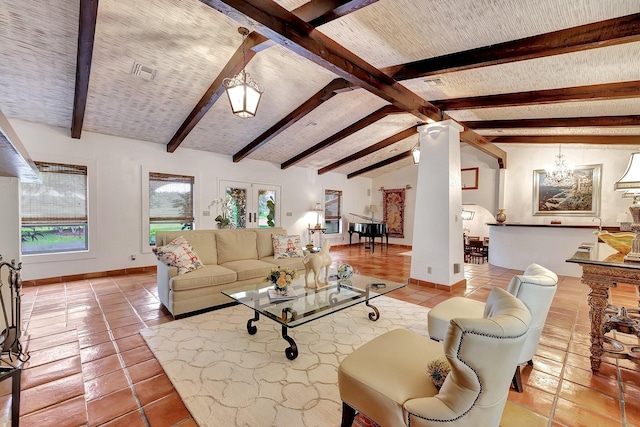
(310, 303)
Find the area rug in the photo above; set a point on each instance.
(227, 377)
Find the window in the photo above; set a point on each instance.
(54, 212)
(332, 211)
(170, 203)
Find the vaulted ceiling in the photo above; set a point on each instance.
(346, 82)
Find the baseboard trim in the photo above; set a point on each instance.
(391, 245)
(449, 288)
(85, 276)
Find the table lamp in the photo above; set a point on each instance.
(630, 183)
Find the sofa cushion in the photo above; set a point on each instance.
(265, 245)
(287, 246)
(179, 253)
(237, 245)
(205, 246)
(207, 276)
(287, 262)
(249, 268)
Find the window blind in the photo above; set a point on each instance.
(332, 200)
(170, 198)
(61, 198)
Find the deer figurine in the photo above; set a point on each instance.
(315, 262)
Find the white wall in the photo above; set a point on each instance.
(523, 159)
(116, 201)
(399, 179)
(9, 235)
(486, 195)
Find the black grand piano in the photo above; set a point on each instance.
(369, 230)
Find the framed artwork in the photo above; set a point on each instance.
(469, 178)
(580, 196)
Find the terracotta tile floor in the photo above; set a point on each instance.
(89, 366)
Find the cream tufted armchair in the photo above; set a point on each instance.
(386, 378)
(536, 288)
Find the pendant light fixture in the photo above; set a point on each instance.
(561, 174)
(243, 93)
(415, 151)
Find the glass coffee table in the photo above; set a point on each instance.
(310, 303)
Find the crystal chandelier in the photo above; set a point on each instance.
(244, 94)
(561, 175)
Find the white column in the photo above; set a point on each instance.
(502, 182)
(9, 234)
(438, 250)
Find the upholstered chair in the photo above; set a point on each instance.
(536, 288)
(386, 379)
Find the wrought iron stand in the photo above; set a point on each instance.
(10, 337)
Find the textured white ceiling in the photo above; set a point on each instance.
(188, 43)
(394, 32)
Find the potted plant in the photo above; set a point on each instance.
(224, 218)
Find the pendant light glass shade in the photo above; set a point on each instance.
(244, 95)
(415, 153)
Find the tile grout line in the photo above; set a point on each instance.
(125, 371)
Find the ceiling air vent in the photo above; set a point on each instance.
(436, 81)
(144, 72)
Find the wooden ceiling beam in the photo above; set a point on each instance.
(599, 92)
(570, 139)
(318, 12)
(378, 165)
(324, 94)
(349, 130)
(254, 43)
(286, 29)
(601, 121)
(86, 37)
(625, 29)
(371, 149)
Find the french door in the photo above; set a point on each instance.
(252, 205)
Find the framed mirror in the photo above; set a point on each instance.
(469, 178)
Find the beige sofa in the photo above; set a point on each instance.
(231, 258)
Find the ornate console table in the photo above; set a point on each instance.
(603, 268)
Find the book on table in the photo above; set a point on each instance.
(275, 297)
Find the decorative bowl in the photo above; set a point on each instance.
(621, 242)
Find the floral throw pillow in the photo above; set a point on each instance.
(179, 253)
(286, 246)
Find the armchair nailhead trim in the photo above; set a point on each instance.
(464, 333)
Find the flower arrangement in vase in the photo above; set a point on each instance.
(282, 278)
